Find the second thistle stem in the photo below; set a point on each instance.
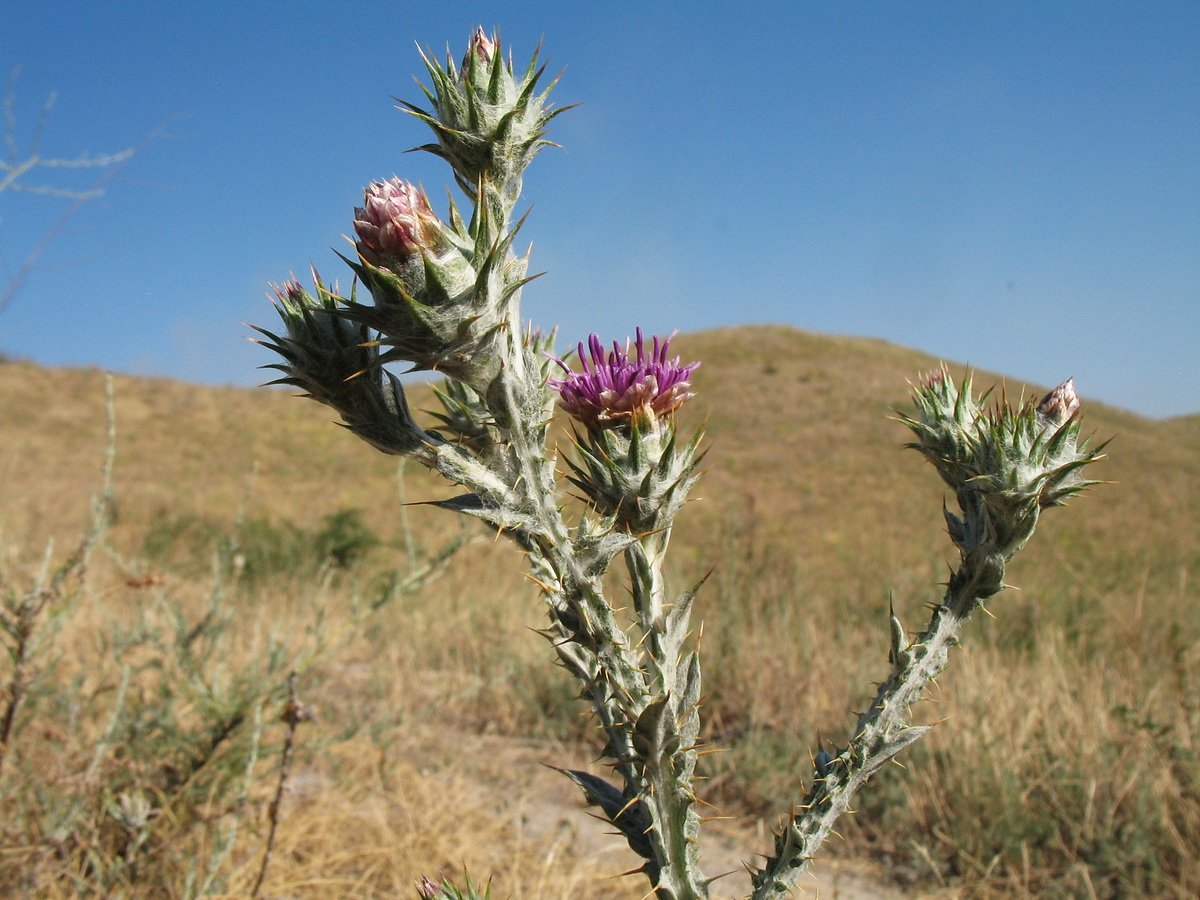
(883, 730)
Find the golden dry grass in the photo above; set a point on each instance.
(1078, 699)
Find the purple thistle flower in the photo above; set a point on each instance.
(617, 388)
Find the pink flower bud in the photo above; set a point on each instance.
(289, 292)
(481, 46)
(396, 220)
(1060, 404)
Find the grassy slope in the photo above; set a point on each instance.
(806, 467)
(800, 427)
(805, 461)
(807, 481)
(811, 509)
(181, 448)
(803, 439)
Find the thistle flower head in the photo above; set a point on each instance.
(1005, 464)
(1060, 404)
(489, 121)
(622, 387)
(396, 220)
(333, 360)
(430, 304)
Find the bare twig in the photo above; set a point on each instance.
(293, 714)
(19, 619)
(14, 168)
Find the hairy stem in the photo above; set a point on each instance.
(667, 750)
(883, 730)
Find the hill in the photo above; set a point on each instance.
(804, 453)
(803, 432)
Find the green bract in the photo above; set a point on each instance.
(334, 362)
(1005, 465)
(489, 123)
(637, 476)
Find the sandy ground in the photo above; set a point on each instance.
(549, 811)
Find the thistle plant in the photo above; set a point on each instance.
(444, 296)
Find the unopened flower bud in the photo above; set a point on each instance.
(489, 121)
(1060, 404)
(289, 292)
(396, 220)
(481, 47)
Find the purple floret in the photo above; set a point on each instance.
(614, 388)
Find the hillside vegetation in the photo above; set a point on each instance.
(803, 444)
(1067, 767)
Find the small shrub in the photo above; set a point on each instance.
(258, 549)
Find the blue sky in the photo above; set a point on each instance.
(1015, 184)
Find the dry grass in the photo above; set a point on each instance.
(1067, 766)
(361, 825)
